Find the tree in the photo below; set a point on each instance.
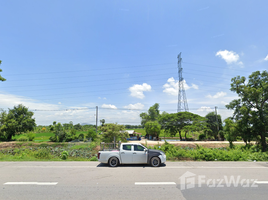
(176, 122)
(102, 121)
(1, 78)
(60, 133)
(18, 120)
(251, 109)
(152, 128)
(92, 134)
(213, 125)
(111, 131)
(78, 126)
(230, 130)
(152, 115)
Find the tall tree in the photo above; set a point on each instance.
(18, 120)
(176, 122)
(152, 115)
(251, 109)
(111, 131)
(213, 124)
(152, 128)
(230, 130)
(1, 78)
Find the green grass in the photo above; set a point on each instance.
(44, 136)
(29, 151)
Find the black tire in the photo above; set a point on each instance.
(155, 162)
(113, 162)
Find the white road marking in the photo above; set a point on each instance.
(261, 182)
(155, 183)
(31, 183)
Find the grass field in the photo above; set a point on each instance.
(44, 136)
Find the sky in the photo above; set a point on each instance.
(62, 58)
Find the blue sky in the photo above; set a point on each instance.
(66, 57)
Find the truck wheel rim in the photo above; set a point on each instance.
(155, 162)
(113, 162)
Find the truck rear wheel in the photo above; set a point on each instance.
(155, 162)
(113, 162)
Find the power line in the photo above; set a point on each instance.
(95, 69)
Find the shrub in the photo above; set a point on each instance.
(93, 145)
(202, 137)
(81, 137)
(64, 155)
(93, 158)
(23, 139)
(43, 153)
(53, 138)
(92, 134)
(31, 136)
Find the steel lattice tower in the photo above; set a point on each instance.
(182, 101)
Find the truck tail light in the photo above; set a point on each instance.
(98, 155)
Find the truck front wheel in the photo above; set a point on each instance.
(155, 162)
(113, 162)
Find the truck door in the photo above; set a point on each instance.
(139, 155)
(126, 154)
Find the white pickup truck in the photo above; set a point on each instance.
(132, 153)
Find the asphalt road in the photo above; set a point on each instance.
(175, 180)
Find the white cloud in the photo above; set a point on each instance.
(230, 57)
(172, 86)
(78, 114)
(217, 95)
(204, 108)
(137, 90)
(266, 58)
(109, 106)
(135, 106)
(59, 103)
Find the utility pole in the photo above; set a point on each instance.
(217, 121)
(97, 120)
(182, 101)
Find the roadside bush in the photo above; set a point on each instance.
(92, 134)
(43, 153)
(64, 155)
(201, 137)
(93, 145)
(81, 137)
(31, 136)
(94, 158)
(53, 138)
(23, 139)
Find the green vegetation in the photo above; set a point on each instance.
(251, 109)
(113, 131)
(237, 153)
(52, 152)
(16, 121)
(153, 128)
(1, 78)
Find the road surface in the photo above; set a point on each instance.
(92, 180)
